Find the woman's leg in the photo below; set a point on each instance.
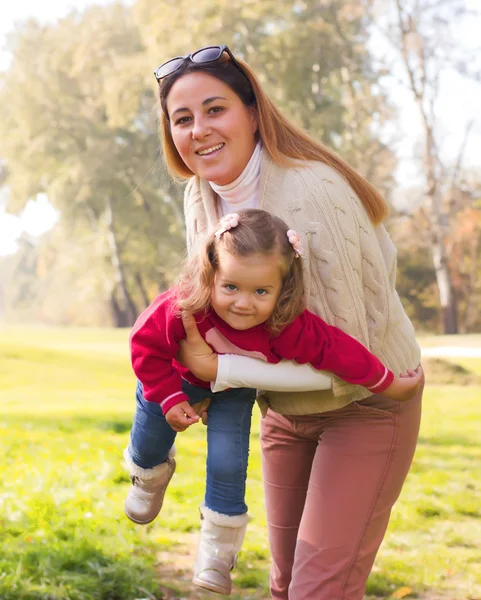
(287, 455)
(363, 455)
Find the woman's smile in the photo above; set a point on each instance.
(211, 150)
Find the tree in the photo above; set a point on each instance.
(464, 246)
(416, 279)
(78, 127)
(421, 31)
(311, 56)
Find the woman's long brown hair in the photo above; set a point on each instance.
(286, 143)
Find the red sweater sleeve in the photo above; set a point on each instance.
(309, 339)
(154, 342)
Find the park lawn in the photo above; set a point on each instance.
(472, 340)
(67, 403)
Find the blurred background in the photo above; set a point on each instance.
(91, 226)
(91, 230)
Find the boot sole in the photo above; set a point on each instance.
(137, 522)
(210, 586)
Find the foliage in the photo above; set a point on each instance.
(416, 281)
(79, 126)
(465, 263)
(67, 402)
(311, 56)
(422, 35)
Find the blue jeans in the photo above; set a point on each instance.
(228, 431)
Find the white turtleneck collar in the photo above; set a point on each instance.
(243, 192)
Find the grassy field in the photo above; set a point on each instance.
(66, 400)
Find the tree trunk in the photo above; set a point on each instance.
(447, 296)
(118, 314)
(419, 84)
(142, 290)
(438, 235)
(127, 305)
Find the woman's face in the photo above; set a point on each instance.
(213, 131)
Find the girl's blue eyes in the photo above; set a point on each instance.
(233, 288)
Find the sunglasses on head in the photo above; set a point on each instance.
(204, 55)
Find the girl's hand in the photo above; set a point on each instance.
(406, 385)
(195, 353)
(181, 416)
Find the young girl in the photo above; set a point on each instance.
(245, 290)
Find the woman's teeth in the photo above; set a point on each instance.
(210, 150)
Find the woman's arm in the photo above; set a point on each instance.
(232, 370)
(235, 371)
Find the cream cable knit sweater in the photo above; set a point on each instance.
(349, 268)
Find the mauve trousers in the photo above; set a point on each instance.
(330, 481)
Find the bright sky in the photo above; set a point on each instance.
(460, 101)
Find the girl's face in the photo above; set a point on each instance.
(246, 289)
(212, 129)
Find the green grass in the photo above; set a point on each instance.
(67, 403)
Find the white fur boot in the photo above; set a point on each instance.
(221, 538)
(145, 497)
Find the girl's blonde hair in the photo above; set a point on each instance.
(284, 142)
(258, 232)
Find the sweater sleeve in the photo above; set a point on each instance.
(350, 287)
(234, 371)
(154, 342)
(311, 340)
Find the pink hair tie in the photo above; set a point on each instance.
(295, 240)
(228, 222)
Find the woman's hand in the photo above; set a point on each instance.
(406, 385)
(201, 408)
(195, 353)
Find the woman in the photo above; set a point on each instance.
(348, 452)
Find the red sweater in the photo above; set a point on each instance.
(155, 338)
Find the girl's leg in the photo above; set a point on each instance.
(228, 431)
(363, 456)
(149, 456)
(224, 513)
(151, 437)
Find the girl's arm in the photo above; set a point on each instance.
(153, 345)
(309, 339)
